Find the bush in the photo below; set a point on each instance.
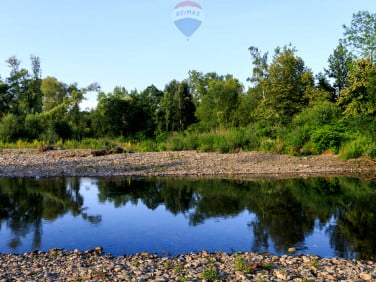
(371, 151)
(175, 143)
(268, 145)
(9, 128)
(180, 142)
(224, 141)
(49, 136)
(298, 137)
(62, 129)
(146, 146)
(309, 148)
(361, 146)
(265, 128)
(253, 142)
(206, 142)
(326, 138)
(33, 126)
(318, 115)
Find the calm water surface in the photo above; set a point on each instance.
(324, 216)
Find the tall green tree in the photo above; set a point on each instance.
(260, 73)
(110, 116)
(149, 113)
(218, 107)
(34, 94)
(177, 106)
(339, 66)
(361, 34)
(5, 98)
(324, 90)
(288, 82)
(16, 84)
(359, 99)
(24, 91)
(53, 92)
(199, 83)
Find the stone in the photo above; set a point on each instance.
(365, 276)
(281, 274)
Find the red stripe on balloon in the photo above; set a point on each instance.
(188, 3)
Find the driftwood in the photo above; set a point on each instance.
(103, 152)
(46, 148)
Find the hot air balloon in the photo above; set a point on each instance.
(187, 16)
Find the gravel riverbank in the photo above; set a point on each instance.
(94, 265)
(65, 163)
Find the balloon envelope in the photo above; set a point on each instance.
(187, 16)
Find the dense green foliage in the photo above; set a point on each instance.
(286, 108)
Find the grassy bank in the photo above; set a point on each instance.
(304, 141)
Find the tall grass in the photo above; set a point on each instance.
(305, 141)
(222, 141)
(360, 146)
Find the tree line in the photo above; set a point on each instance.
(287, 108)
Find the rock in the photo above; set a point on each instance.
(281, 274)
(118, 268)
(292, 250)
(99, 249)
(365, 276)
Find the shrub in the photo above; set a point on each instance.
(62, 129)
(318, 115)
(146, 146)
(361, 146)
(298, 137)
(9, 128)
(268, 145)
(49, 136)
(221, 145)
(325, 138)
(175, 143)
(206, 142)
(371, 152)
(33, 126)
(309, 148)
(264, 128)
(253, 142)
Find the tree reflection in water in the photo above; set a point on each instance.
(286, 212)
(24, 203)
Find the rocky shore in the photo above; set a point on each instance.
(66, 163)
(93, 265)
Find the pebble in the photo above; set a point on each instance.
(95, 265)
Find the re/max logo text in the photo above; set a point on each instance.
(187, 12)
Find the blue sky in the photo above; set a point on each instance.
(135, 43)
